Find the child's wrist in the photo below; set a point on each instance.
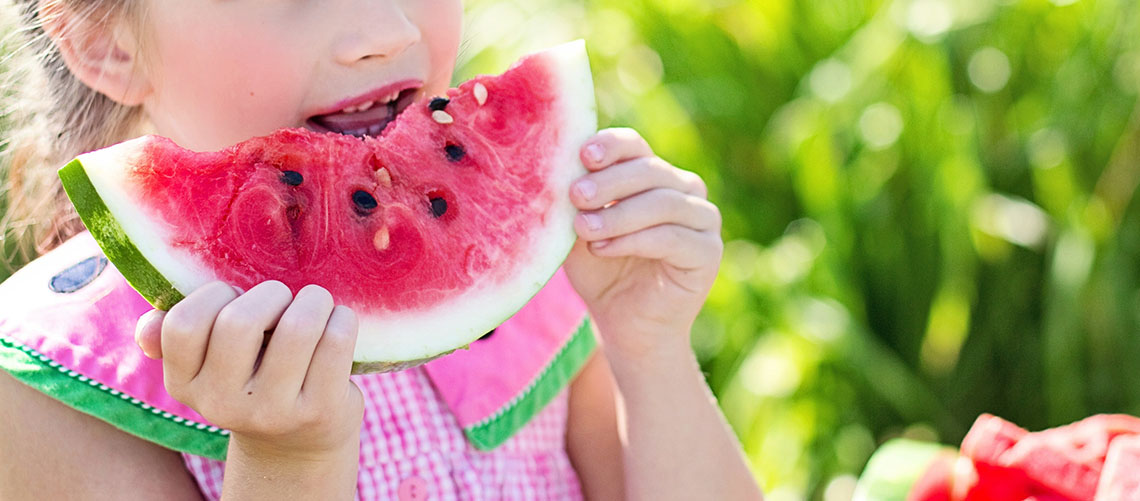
(285, 450)
(646, 352)
(274, 450)
(258, 469)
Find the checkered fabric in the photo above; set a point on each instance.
(412, 448)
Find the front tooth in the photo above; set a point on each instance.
(365, 106)
(390, 97)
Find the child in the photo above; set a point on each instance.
(636, 422)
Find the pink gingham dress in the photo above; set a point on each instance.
(412, 448)
(484, 423)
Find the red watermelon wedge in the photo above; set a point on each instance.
(434, 233)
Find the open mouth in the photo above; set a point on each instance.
(365, 119)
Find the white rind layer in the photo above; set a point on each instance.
(424, 334)
(105, 169)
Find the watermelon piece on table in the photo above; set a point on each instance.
(1069, 459)
(434, 233)
(1120, 477)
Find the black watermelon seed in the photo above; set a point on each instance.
(438, 103)
(455, 152)
(487, 335)
(292, 178)
(363, 200)
(438, 207)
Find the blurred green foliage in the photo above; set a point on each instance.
(927, 205)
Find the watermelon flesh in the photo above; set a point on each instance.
(1097, 458)
(434, 233)
(1120, 478)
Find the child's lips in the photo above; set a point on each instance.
(369, 121)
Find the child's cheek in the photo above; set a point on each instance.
(441, 24)
(218, 79)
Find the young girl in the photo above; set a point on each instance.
(637, 420)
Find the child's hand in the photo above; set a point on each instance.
(284, 396)
(645, 264)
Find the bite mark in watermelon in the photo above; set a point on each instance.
(434, 233)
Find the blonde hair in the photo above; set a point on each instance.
(51, 117)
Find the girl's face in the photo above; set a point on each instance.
(222, 71)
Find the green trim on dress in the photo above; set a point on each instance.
(496, 429)
(108, 404)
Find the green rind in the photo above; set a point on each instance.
(371, 367)
(894, 468)
(119, 409)
(493, 431)
(113, 240)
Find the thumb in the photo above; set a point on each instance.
(148, 333)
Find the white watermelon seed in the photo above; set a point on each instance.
(380, 239)
(442, 117)
(384, 177)
(480, 92)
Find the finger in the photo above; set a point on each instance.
(645, 210)
(611, 146)
(290, 350)
(148, 333)
(332, 359)
(186, 331)
(239, 333)
(680, 247)
(596, 189)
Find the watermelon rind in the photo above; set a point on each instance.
(118, 247)
(97, 183)
(894, 468)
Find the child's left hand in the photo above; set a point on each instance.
(645, 264)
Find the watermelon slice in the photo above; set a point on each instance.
(434, 233)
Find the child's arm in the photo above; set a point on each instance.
(293, 413)
(644, 266)
(51, 451)
(592, 440)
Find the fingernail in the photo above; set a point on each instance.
(587, 189)
(600, 243)
(593, 221)
(595, 152)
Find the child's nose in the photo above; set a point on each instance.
(378, 29)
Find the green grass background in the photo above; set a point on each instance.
(928, 205)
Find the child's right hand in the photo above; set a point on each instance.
(284, 396)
